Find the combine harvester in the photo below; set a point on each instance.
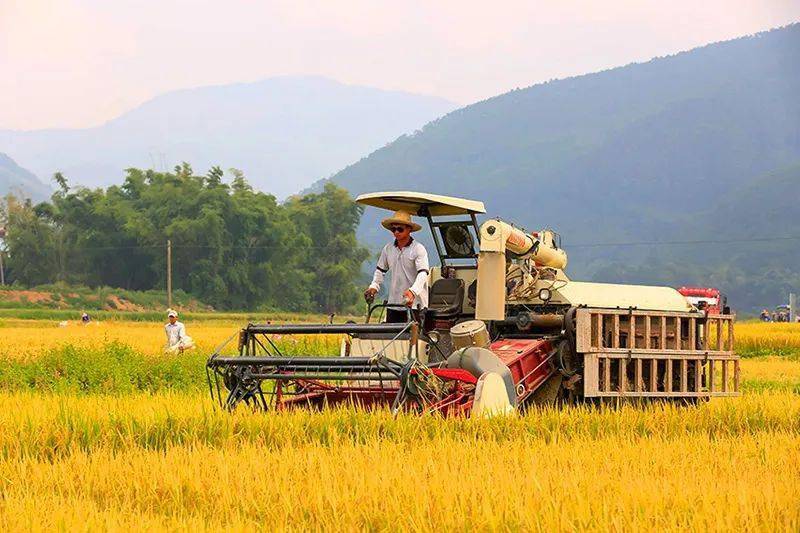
(506, 328)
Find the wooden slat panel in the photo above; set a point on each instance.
(591, 374)
(653, 375)
(583, 330)
(632, 394)
(647, 333)
(730, 335)
(698, 375)
(692, 334)
(684, 375)
(622, 375)
(668, 376)
(623, 353)
(678, 334)
(736, 375)
(607, 374)
(711, 385)
(641, 312)
(615, 333)
(638, 386)
(675, 354)
(600, 332)
(724, 376)
(632, 332)
(663, 341)
(719, 334)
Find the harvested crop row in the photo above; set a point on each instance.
(25, 339)
(53, 426)
(117, 368)
(623, 482)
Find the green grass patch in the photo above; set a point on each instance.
(160, 316)
(755, 386)
(115, 368)
(750, 352)
(65, 296)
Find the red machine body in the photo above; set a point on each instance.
(707, 299)
(528, 360)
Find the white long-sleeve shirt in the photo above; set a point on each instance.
(175, 333)
(409, 271)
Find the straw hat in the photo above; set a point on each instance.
(400, 217)
(172, 312)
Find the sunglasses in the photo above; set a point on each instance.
(397, 229)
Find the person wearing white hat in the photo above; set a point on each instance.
(407, 260)
(177, 339)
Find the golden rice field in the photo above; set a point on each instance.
(168, 460)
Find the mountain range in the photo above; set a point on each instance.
(703, 145)
(283, 132)
(21, 182)
(681, 170)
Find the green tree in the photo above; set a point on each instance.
(29, 240)
(334, 258)
(233, 247)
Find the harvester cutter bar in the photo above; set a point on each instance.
(244, 375)
(343, 368)
(311, 329)
(298, 361)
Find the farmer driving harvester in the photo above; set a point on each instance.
(407, 260)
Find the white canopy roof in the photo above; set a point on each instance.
(413, 202)
(623, 296)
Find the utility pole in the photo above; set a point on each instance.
(2, 268)
(169, 273)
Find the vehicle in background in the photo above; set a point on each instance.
(707, 299)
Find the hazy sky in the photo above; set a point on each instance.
(79, 63)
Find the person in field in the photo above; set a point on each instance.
(407, 260)
(177, 339)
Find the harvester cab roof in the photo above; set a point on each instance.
(506, 328)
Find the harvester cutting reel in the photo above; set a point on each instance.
(379, 365)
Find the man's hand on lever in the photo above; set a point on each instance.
(369, 295)
(408, 298)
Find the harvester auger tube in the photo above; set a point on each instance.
(478, 361)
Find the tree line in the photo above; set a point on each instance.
(232, 247)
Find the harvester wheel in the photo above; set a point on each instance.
(566, 359)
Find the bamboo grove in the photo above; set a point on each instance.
(232, 247)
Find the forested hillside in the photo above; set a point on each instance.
(660, 151)
(14, 178)
(284, 132)
(748, 244)
(232, 247)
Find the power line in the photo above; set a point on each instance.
(201, 247)
(749, 240)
